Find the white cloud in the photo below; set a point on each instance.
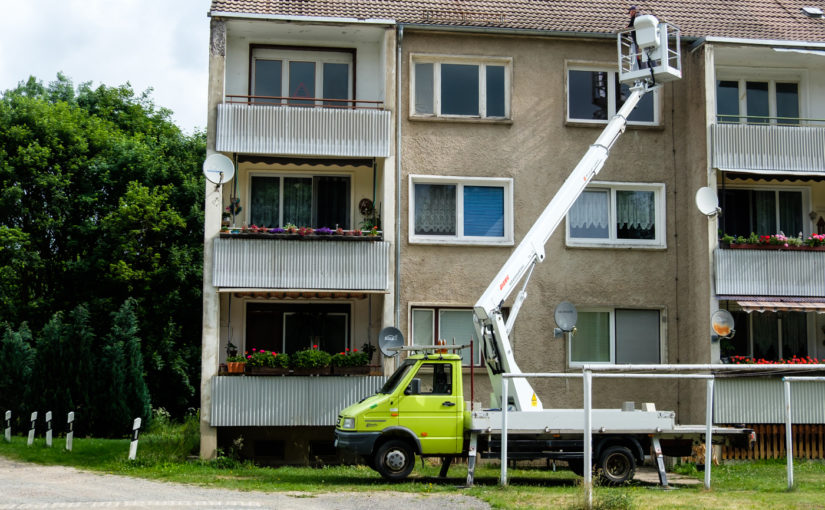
(160, 44)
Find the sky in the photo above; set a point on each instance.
(158, 44)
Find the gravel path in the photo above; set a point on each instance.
(31, 486)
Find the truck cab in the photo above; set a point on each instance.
(419, 410)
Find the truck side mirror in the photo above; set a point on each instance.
(414, 388)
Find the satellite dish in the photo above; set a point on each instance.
(218, 169)
(390, 338)
(566, 316)
(707, 202)
(722, 323)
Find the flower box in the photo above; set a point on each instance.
(359, 370)
(250, 370)
(310, 371)
(746, 246)
(235, 367)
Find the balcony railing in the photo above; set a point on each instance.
(303, 127)
(793, 146)
(286, 401)
(243, 263)
(770, 273)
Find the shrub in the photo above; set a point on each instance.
(310, 358)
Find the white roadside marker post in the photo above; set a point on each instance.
(8, 426)
(69, 430)
(31, 430)
(48, 429)
(133, 445)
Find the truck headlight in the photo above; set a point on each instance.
(348, 423)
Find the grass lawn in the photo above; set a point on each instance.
(162, 455)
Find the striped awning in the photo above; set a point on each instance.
(776, 304)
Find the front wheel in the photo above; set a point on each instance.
(394, 459)
(617, 465)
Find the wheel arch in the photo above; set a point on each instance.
(629, 442)
(402, 433)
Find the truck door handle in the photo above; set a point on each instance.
(448, 403)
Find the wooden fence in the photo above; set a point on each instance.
(808, 443)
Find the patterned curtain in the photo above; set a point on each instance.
(435, 206)
(590, 210)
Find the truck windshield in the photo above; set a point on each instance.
(396, 377)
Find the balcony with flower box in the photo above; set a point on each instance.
(769, 145)
(303, 127)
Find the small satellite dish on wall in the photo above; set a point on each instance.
(566, 317)
(707, 202)
(390, 338)
(722, 324)
(218, 169)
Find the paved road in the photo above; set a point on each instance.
(30, 486)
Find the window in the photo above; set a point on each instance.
(461, 210)
(757, 102)
(763, 211)
(460, 87)
(618, 214)
(768, 335)
(281, 73)
(595, 95)
(304, 201)
(433, 379)
(285, 327)
(429, 324)
(619, 336)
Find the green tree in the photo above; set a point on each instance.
(16, 362)
(101, 200)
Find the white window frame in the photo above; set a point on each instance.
(742, 75)
(658, 243)
(319, 58)
(806, 204)
(460, 238)
(281, 175)
(481, 62)
(436, 311)
(612, 76)
(612, 322)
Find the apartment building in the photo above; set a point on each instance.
(449, 126)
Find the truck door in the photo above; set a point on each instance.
(430, 408)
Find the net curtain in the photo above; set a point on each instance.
(634, 209)
(435, 206)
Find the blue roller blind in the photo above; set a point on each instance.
(484, 211)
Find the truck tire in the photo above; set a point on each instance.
(616, 465)
(394, 459)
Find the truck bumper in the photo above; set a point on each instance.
(358, 443)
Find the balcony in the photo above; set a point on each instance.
(770, 273)
(769, 148)
(322, 264)
(318, 129)
(286, 401)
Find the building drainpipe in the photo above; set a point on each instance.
(398, 66)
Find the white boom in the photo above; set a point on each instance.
(489, 322)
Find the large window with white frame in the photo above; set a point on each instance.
(291, 327)
(770, 336)
(764, 210)
(461, 210)
(302, 200)
(451, 324)
(594, 95)
(297, 77)
(617, 336)
(618, 214)
(756, 100)
(460, 87)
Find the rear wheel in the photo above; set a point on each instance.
(394, 459)
(617, 465)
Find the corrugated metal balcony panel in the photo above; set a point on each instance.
(770, 273)
(267, 129)
(286, 401)
(761, 400)
(297, 264)
(769, 149)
